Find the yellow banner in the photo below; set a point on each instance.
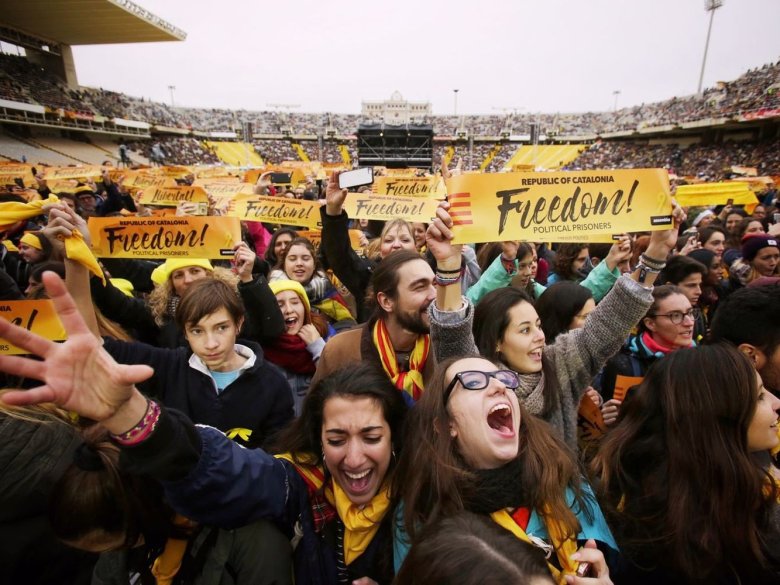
(226, 189)
(384, 207)
(38, 317)
(278, 210)
(144, 181)
(173, 196)
(410, 186)
(10, 172)
(85, 172)
(703, 194)
(175, 172)
(164, 237)
(559, 207)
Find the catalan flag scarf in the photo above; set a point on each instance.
(361, 523)
(411, 382)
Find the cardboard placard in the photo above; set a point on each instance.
(164, 237)
(39, 317)
(559, 207)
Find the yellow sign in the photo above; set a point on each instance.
(623, 384)
(383, 207)
(86, 172)
(10, 172)
(716, 194)
(278, 210)
(232, 189)
(410, 186)
(164, 237)
(37, 317)
(174, 172)
(145, 180)
(559, 207)
(173, 196)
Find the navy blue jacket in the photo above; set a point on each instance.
(260, 399)
(210, 479)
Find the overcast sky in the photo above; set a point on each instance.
(528, 55)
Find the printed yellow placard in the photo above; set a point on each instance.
(10, 172)
(175, 172)
(278, 210)
(716, 194)
(164, 237)
(227, 189)
(85, 172)
(38, 317)
(558, 207)
(410, 186)
(173, 196)
(385, 208)
(145, 181)
(315, 237)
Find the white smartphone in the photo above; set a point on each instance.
(356, 178)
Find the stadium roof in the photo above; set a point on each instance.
(87, 22)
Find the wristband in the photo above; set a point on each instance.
(456, 271)
(652, 262)
(444, 281)
(143, 429)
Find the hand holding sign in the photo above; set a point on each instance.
(334, 196)
(244, 262)
(79, 374)
(662, 242)
(619, 252)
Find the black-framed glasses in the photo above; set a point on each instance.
(476, 380)
(677, 317)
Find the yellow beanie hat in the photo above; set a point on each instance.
(162, 273)
(31, 240)
(278, 286)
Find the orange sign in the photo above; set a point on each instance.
(37, 317)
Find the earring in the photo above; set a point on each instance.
(392, 451)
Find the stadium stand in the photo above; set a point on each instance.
(236, 153)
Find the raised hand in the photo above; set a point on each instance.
(664, 241)
(244, 260)
(334, 196)
(79, 374)
(619, 252)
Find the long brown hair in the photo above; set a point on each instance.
(678, 482)
(433, 480)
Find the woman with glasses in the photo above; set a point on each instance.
(668, 326)
(472, 446)
(507, 329)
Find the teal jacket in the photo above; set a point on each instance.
(592, 525)
(599, 281)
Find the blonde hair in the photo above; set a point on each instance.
(159, 297)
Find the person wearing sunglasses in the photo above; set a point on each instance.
(471, 445)
(668, 326)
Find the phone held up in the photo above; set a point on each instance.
(356, 178)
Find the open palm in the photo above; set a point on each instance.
(79, 374)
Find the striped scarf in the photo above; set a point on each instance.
(410, 382)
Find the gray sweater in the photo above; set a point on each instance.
(576, 356)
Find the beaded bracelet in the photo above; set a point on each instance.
(652, 262)
(456, 271)
(444, 281)
(143, 429)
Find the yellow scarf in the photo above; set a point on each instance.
(360, 522)
(564, 547)
(167, 565)
(75, 247)
(410, 382)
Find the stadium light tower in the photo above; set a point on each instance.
(710, 6)
(616, 93)
(455, 91)
(172, 88)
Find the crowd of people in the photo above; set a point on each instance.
(408, 410)
(709, 162)
(755, 91)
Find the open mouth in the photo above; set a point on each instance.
(290, 322)
(536, 354)
(358, 482)
(500, 420)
